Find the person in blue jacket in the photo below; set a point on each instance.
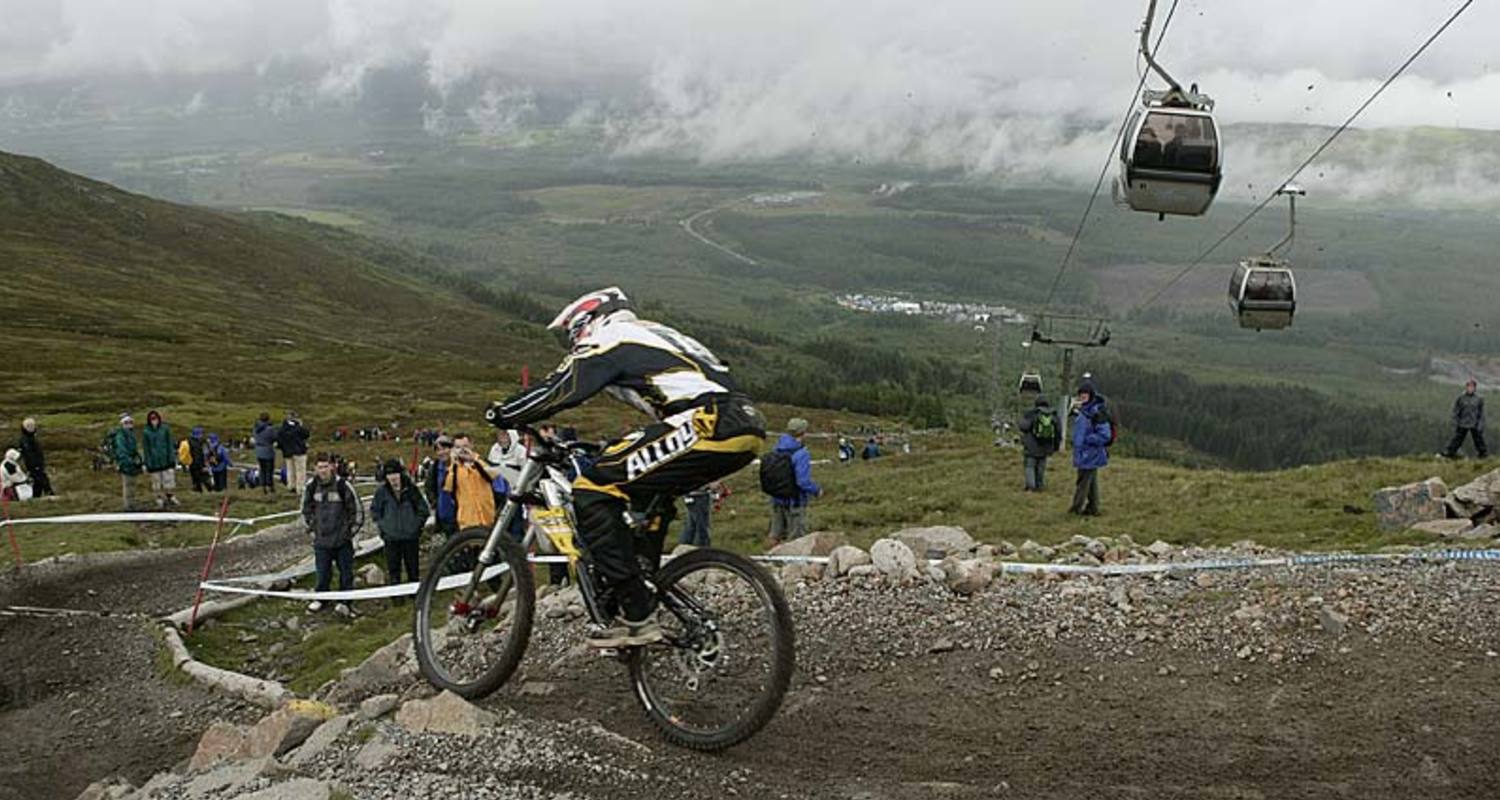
(1091, 438)
(789, 514)
(218, 462)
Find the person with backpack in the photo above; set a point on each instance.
(127, 455)
(328, 510)
(197, 460)
(1040, 438)
(786, 475)
(400, 512)
(1092, 436)
(161, 459)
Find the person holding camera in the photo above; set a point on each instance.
(471, 483)
(1092, 436)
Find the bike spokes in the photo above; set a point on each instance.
(472, 624)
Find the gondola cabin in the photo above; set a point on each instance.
(1263, 294)
(1169, 161)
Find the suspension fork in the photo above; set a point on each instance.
(531, 472)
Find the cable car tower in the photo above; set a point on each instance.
(1069, 331)
(1169, 151)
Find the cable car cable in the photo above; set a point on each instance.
(1108, 162)
(1308, 161)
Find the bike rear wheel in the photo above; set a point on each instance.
(471, 626)
(728, 655)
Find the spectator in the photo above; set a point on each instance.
(328, 511)
(1468, 420)
(846, 450)
(872, 449)
(264, 436)
(15, 484)
(197, 460)
(291, 438)
(33, 460)
(218, 462)
(399, 511)
(1091, 439)
(507, 454)
(1041, 436)
(470, 483)
(127, 455)
(444, 506)
(700, 506)
(161, 459)
(789, 510)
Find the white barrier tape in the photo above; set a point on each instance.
(1009, 567)
(142, 516)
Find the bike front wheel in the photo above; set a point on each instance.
(727, 656)
(472, 624)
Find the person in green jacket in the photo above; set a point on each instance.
(161, 459)
(127, 458)
(400, 512)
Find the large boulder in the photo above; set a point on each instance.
(801, 572)
(894, 560)
(321, 739)
(1400, 507)
(1476, 497)
(223, 741)
(967, 576)
(817, 543)
(294, 789)
(1447, 528)
(390, 667)
(285, 728)
(845, 558)
(446, 713)
(939, 541)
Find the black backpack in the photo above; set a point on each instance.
(778, 476)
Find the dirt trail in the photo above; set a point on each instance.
(82, 696)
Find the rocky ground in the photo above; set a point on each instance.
(1368, 682)
(83, 695)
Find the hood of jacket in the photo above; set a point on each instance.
(788, 444)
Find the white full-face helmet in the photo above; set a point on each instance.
(577, 317)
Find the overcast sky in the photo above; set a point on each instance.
(944, 81)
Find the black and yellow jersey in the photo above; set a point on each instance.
(644, 364)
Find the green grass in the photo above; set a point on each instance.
(326, 644)
(964, 481)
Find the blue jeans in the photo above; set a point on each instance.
(324, 558)
(695, 531)
(1035, 469)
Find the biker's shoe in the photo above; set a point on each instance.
(625, 633)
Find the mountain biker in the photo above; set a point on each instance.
(705, 429)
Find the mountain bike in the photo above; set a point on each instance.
(728, 648)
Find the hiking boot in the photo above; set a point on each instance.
(343, 610)
(625, 634)
(315, 606)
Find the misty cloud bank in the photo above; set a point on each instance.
(1025, 90)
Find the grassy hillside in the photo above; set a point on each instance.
(119, 302)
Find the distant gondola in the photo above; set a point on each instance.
(1263, 293)
(1263, 290)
